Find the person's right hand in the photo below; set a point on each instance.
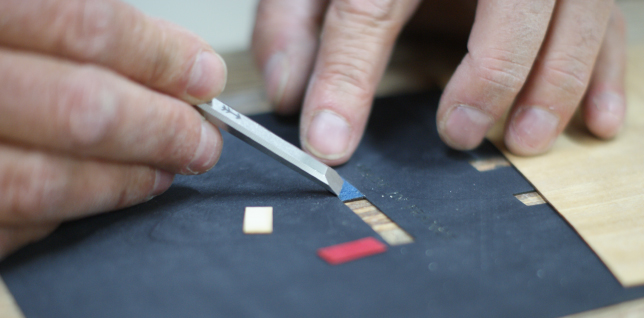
(94, 112)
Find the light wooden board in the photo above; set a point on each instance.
(598, 186)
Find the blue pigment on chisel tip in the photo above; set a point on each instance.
(349, 192)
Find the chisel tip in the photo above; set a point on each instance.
(349, 192)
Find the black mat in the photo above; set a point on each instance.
(479, 252)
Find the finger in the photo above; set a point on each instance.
(14, 237)
(559, 77)
(90, 111)
(355, 47)
(38, 187)
(605, 105)
(114, 34)
(503, 45)
(285, 41)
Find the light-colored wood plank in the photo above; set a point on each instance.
(598, 186)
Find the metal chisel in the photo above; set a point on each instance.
(242, 127)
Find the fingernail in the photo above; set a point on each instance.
(610, 103)
(466, 127)
(206, 155)
(532, 131)
(208, 76)
(276, 74)
(328, 135)
(162, 182)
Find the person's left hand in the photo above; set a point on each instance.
(95, 111)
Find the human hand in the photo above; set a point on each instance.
(94, 112)
(537, 59)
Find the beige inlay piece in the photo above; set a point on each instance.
(598, 186)
(530, 198)
(258, 220)
(379, 222)
(489, 163)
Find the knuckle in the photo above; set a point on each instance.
(160, 69)
(567, 73)
(88, 30)
(87, 107)
(350, 74)
(377, 10)
(170, 53)
(170, 65)
(500, 70)
(33, 190)
(182, 135)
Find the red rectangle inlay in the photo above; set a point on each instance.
(349, 251)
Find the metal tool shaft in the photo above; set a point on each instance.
(242, 127)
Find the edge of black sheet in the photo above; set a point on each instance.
(478, 252)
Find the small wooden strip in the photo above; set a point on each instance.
(530, 198)
(396, 237)
(385, 227)
(488, 164)
(379, 222)
(366, 211)
(358, 204)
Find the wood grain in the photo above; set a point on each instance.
(379, 222)
(598, 186)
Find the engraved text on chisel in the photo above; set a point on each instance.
(229, 110)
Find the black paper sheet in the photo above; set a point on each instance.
(478, 251)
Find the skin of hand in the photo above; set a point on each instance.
(535, 60)
(95, 111)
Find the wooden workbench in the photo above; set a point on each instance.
(245, 91)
